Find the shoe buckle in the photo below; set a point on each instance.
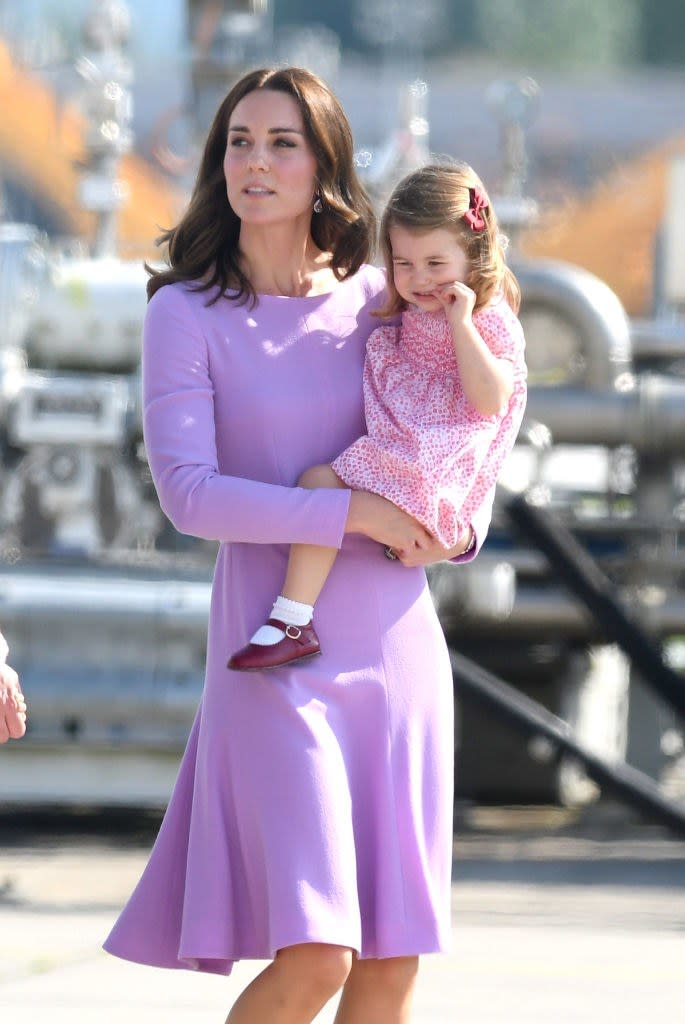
(296, 632)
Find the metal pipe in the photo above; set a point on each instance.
(550, 611)
(591, 306)
(103, 599)
(138, 606)
(535, 611)
(657, 339)
(542, 608)
(650, 416)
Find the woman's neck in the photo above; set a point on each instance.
(282, 262)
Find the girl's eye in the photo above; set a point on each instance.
(288, 143)
(238, 140)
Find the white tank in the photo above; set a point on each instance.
(89, 316)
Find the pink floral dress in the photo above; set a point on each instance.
(427, 449)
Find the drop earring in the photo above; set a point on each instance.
(318, 205)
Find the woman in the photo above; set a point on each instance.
(311, 819)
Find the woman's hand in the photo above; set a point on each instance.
(379, 519)
(433, 552)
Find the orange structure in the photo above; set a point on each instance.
(41, 146)
(612, 230)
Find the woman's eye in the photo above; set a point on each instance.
(238, 141)
(288, 143)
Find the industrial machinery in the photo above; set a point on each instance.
(105, 605)
(601, 452)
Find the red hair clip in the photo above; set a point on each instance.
(478, 201)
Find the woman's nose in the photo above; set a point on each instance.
(258, 158)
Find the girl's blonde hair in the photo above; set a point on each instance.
(438, 196)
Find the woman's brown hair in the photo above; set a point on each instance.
(438, 196)
(203, 247)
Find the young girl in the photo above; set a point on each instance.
(444, 391)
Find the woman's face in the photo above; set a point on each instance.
(269, 166)
(423, 261)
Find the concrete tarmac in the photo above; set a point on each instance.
(552, 923)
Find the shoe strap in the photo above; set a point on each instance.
(292, 632)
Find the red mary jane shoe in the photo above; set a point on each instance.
(299, 642)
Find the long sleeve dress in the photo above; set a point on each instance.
(426, 448)
(314, 802)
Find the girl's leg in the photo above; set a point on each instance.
(309, 565)
(289, 634)
(379, 991)
(293, 988)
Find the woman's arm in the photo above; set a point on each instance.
(180, 440)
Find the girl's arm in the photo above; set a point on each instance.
(179, 430)
(487, 380)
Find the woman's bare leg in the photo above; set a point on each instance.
(309, 565)
(294, 987)
(379, 991)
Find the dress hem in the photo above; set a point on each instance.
(224, 964)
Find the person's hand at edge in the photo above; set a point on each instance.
(12, 702)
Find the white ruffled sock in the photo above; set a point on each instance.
(293, 613)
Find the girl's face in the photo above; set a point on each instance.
(423, 262)
(269, 166)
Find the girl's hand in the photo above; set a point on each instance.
(433, 552)
(379, 519)
(457, 300)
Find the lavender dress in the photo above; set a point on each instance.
(313, 802)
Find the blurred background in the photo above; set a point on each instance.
(567, 633)
(603, 117)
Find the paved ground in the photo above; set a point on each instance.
(553, 922)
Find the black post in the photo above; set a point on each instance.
(586, 580)
(527, 716)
